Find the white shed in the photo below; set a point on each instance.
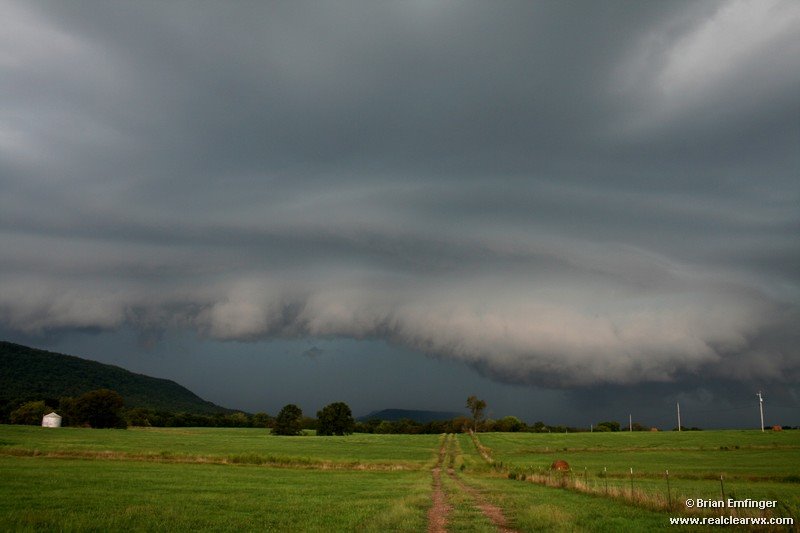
(51, 421)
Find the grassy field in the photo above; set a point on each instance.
(685, 454)
(100, 495)
(761, 466)
(210, 479)
(223, 445)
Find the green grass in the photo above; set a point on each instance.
(689, 454)
(47, 494)
(752, 464)
(537, 508)
(533, 507)
(211, 479)
(464, 515)
(246, 445)
(160, 479)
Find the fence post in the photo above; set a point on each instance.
(669, 495)
(631, 483)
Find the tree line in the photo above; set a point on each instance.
(104, 408)
(101, 408)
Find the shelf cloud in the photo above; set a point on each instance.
(553, 194)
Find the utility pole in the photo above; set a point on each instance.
(630, 423)
(761, 408)
(679, 415)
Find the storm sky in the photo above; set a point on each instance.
(565, 207)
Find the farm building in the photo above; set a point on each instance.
(51, 420)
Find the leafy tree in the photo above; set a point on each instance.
(29, 413)
(6, 406)
(384, 428)
(68, 409)
(101, 408)
(368, 426)
(289, 421)
(262, 420)
(237, 420)
(460, 424)
(607, 426)
(435, 427)
(539, 427)
(509, 423)
(476, 407)
(138, 417)
(335, 419)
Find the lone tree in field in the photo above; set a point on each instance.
(335, 419)
(476, 407)
(101, 408)
(289, 421)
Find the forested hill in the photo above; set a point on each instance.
(31, 374)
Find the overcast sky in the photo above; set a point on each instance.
(565, 207)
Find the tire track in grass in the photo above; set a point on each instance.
(440, 510)
(242, 459)
(492, 512)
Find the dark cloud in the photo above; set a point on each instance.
(704, 403)
(554, 194)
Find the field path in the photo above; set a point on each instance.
(439, 511)
(492, 512)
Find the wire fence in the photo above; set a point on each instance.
(654, 491)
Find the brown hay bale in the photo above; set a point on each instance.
(777, 428)
(560, 465)
(653, 429)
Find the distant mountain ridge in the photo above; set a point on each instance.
(422, 417)
(31, 374)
